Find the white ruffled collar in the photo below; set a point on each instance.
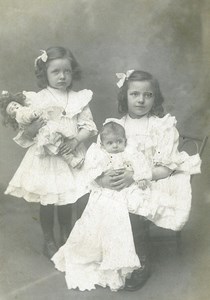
(72, 102)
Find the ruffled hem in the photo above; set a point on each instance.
(88, 276)
(166, 217)
(45, 199)
(167, 204)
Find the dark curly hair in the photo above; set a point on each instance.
(5, 100)
(55, 53)
(157, 108)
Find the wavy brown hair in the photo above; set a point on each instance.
(55, 53)
(157, 108)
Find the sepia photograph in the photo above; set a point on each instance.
(104, 149)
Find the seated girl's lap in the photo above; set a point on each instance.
(173, 184)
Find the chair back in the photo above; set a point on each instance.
(192, 145)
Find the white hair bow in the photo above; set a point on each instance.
(5, 93)
(43, 57)
(123, 77)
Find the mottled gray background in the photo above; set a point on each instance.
(166, 37)
(170, 38)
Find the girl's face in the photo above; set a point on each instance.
(114, 143)
(59, 74)
(12, 108)
(140, 96)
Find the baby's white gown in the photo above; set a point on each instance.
(100, 249)
(49, 179)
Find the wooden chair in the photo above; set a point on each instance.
(156, 235)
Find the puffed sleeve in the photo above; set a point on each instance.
(166, 150)
(85, 120)
(140, 165)
(95, 162)
(31, 98)
(79, 106)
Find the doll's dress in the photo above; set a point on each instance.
(158, 139)
(53, 134)
(48, 179)
(50, 136)
(100, 249)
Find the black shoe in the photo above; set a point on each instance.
(50, 249)
(138, 278)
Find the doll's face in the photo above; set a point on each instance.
(114, 143)
(140, 97)
(59, 74)
(12, 108)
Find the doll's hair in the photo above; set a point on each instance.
(157, 108)
(5, 99)
(112, 127)
(51, 54)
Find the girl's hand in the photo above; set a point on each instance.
(68, 146)
(32, 129)
(116, 179)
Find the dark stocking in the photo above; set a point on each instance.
(64, 219)
(47, 224)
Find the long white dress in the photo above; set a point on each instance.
(100, 249)
(48, 179)
(158, 139)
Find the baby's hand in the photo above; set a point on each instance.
(37, 114)
(142, 184)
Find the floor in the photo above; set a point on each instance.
(26, 274)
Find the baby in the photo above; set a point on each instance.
(111, 154)
(113, 141)
(50, 136)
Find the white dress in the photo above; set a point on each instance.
(100, 249)
(158, 139)
(49, 179)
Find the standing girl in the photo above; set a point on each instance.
(48, 179)
(149, 130)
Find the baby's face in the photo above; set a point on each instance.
(12, 108)
(114, 143)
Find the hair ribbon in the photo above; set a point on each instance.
(123, 77)
(43, 57)
(5, 93)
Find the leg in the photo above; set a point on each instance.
(81, 204)
(47, 224)
(64, 219)
(140, 235)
